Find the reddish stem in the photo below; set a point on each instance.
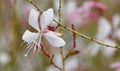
(74, 36)
(45, 51)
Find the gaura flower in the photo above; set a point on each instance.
(103, 33)
(89, 11)
(40, 24)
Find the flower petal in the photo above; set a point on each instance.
(94, 46)
(108, 52)
(54, 40)
(46, 18)
(33, 19)
(104, 28)
(117, 33)
(72, 64)
(116, 21)
(29, 36)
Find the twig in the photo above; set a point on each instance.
(63, 61)
(51, 61)
(60, 30)
(41, 11)
(59, 14)
(87, 37)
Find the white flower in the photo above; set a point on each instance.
(104, 29)
(40, 24)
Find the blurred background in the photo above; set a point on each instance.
(96, 18)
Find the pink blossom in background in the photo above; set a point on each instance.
(26, 9)
(24, 13)
(89, 11)
(116, 66)
(94, 4)
(91, 8)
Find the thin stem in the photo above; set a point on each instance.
(41, 11)
(51, 61)
(63, 61)
(59, 10)
(74, 36)
(60, 30)
(87, 37)
(59, 14)
(79, 34)
(67, 56)
(45, 51)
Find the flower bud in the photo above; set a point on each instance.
(73, 52)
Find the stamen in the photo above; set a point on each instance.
(28, 45)
(34, 49)
(29, 49)
(38, 41)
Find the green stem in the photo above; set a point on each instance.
(60, 30)
(59, 14)
(41, 11)
(63, 61)
(59, 11)
(87, 37)
(51, 61)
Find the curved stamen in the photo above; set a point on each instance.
(29, 49)
(28, 46)
(37, 43)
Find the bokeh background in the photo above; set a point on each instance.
(96, 18)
